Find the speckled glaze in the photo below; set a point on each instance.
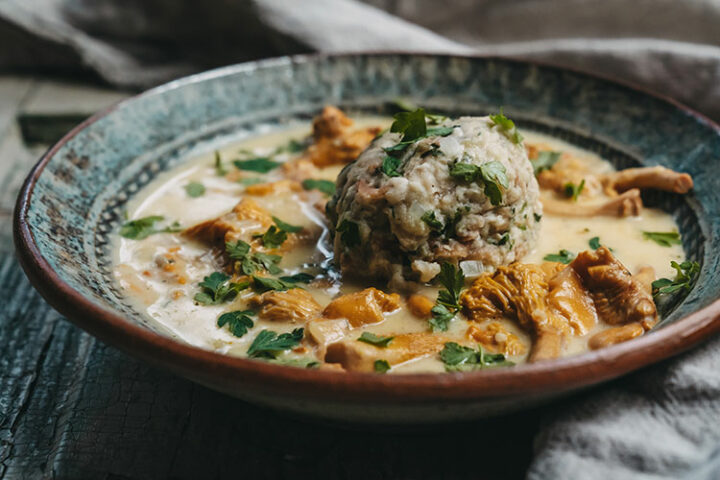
(75, 198)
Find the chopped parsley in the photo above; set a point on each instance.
(453, 221)
(507, 126)
(144, 227)
(286, 227)
(545, 161)
(238, 322)
(325, 186)
(301, 277)
(563, 256)
(685, 277)
(432, 222)
(292, 146)
(594, 243)
(269, 344)
(448, 300)
(537, 216)
(376, 340)
(220, 170)
(664, 239)
(491, 174)
(413, 127)
(217, 288)
(390, 166)
(195, 189)
(250, 263)
(273, 237)
(260, 164)
(278, 233)
(264, 284)
(349, 233)
(381, 366)
(460, 358)
(573, 191)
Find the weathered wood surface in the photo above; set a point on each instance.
(72, 407)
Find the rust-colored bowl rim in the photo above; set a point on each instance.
(214, 369)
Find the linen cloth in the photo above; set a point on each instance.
(660, 423)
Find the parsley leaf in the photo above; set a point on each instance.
(563, 256)
(220, 170)
(453, 221)
(260, 164)
(664, 239)
(286, 227)
(217, 288)
(376, 340)
(685, 277)
(238, 322)
(195, 189)
(349, 233)
(269, 344)
(432, 222)
(390, 166)
(273, 237)
(440, 319)
(252, 262)
(460, 358)
(144, 227)
(448, 300)
(264, 284)
(301, 277)
(440, 131)
(573, 191)
(381, 366)
(325, 186)
(411, 124)
(492, 174)
(453, 279)
(545, 161)
(594, 243)
(507, 126)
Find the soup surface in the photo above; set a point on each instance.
(161, 265)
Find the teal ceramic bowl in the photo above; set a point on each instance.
(73, 201)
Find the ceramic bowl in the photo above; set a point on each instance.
(74, 198)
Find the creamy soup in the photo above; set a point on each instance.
(161, 268)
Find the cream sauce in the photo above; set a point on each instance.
(166, 296)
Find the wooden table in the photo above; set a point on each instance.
(72, 407)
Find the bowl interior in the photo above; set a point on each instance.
(79, 199)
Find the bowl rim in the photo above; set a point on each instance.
(562, 374)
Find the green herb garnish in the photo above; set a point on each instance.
(507, 126)
(349, 233)
(573, 191)
(594, 243)
(238, 322)
(664, 239)
(264, 284)
(260, 164)
(432, 222)
(217, 288)
(545, 161)
(381, 366)
(448, 300)
(269, 344)
(252, 262)
(491, 174)
(460, 358)
(301, 277)
(390, 166)
(537, 217)
(376, 340)
(278, 233)
(286, 227)
(563, 256)
(685, 277)
(219, 168)
(325, 186)
(411, 124)
(195, 189)
(144, 227)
